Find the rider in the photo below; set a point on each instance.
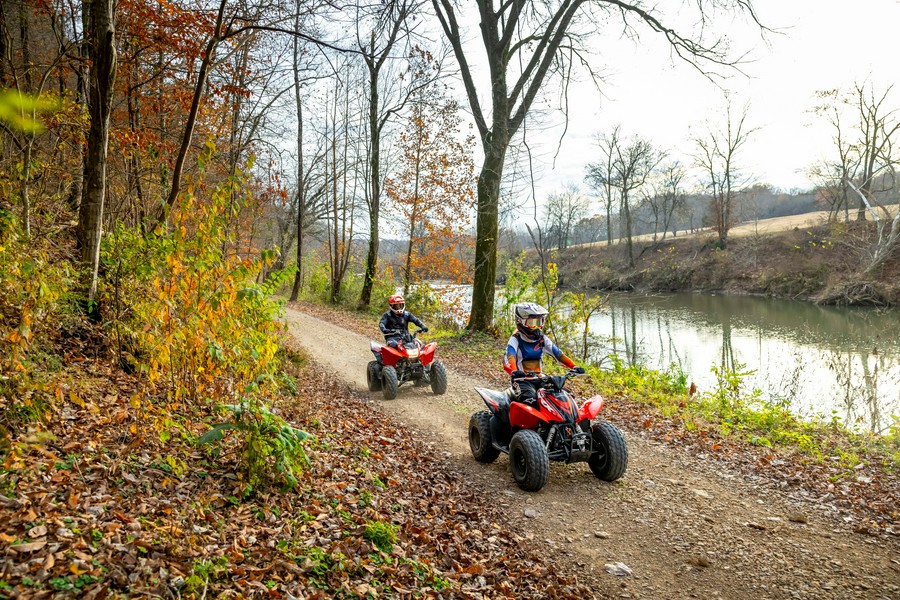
(394, 322)
(525, 351)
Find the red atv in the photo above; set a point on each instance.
(552, 428)
(412, 360)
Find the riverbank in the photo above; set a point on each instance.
(822, 263)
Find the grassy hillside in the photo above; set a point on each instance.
(821, 263)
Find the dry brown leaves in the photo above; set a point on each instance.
(108, 508)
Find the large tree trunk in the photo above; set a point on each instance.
(487, 231)
(100, 89)
(365, 297)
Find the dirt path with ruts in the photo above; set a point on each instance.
(685, 528)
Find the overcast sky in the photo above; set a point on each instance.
(819, 44)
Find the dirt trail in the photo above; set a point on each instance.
(685, 528)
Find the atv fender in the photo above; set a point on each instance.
(591, 408)
(524, 416)
(426, 355)
(390, 356)
(497, 402)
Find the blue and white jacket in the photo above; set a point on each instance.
(529, 356)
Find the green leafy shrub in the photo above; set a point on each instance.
(270, 444)
(189, 315)
(35, 299)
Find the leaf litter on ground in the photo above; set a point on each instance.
(108, 506)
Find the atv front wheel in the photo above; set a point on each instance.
(389, 382)
(438, 378)
(480, 437)
(610, 457)
(528, 460)
(373, 376)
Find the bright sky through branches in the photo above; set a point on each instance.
(817, 44)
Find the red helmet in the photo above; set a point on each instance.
(397, 303)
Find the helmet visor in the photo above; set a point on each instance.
(534, 322)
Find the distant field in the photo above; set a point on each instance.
(763, 226)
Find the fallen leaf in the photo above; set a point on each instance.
(29, 547)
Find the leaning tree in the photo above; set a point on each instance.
(524, 45)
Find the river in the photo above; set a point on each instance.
(816, 360)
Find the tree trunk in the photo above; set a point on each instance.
(365, 297)
(487, 230)
(626, 211)
(301, 196)
(24, 184)
(100, 90)
(202, 76)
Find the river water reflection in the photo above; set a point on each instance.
(819, 360)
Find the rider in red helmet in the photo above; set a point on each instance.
(394, 323)
(526, 349)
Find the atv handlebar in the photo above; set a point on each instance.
(574, 372)
(404, 335)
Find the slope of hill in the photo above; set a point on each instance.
(800, 256)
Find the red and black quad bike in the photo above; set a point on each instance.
(412, 360)
(552, 428)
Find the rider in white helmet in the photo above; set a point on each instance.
(526, 349)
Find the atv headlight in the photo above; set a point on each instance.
(412, 352)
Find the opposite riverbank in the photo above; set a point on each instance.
(822, 263)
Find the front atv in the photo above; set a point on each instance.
(553, 428)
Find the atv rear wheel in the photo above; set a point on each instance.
(438, 378)
(480, 437)
(610, 457)
(528, 460)
(389, 382)
(373, 376)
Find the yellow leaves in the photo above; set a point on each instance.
(76, 400)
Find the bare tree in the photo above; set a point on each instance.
(523, 43)
(342, 182)
(562, 212)
(834, 175)
(600, 175)
(633, 165)
(878, 129)
(667, 197)
(388, 30)
(717, 155)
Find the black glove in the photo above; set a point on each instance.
(424, 330)
(578, 370)
(517, 374)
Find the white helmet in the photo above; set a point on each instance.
(530, 320)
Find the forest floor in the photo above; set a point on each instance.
(103, 502)
(687, 523)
